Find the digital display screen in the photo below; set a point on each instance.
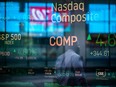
(57, 43)
(103, 21)
(34, 20)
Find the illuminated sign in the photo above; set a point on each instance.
(100, 73)
(40, 13)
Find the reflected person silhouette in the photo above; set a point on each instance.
(69, 67)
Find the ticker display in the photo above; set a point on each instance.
(57, 43)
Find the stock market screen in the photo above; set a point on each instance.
(58, 43)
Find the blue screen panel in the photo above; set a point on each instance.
(37, 27)
(12, 26)
(13, 11)
(113, 12)
(2, 10)
(2, 22)
(14, 17)
(16, 26)
(101, 10)
(101, 24)
(2, 26)
(113, 18)
(113, 27)
(39, 24)
(101, 27)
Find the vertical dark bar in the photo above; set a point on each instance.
(46, 61)
(22, 6)
(86, 32)
(109, 58)
(28, 64)
(5, 32)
